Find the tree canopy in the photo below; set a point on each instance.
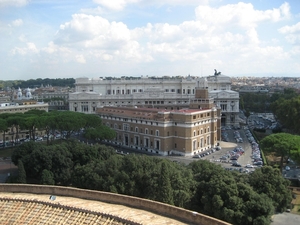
(65, 122)
(201, 186)
(283, 145)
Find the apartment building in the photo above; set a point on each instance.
(185, 131)
(170, 93)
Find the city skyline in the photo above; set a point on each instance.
(99, 38)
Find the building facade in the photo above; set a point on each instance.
(185, 131)
(170, 93)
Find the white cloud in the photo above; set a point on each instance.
(80, 59)
(226, 38)
(103, 39)
(22, 38)
(92, 31)
(17, 3)
(17, 23)
(290, 29)
(52, 48)
(241, 14)
(224, 32)
(292, 33)
(30, 48)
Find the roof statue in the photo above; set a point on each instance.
(217, 73)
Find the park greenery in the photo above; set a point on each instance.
(200, 186)
(283, 145)
(66, 123)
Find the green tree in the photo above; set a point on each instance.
(30, 122)
(15, 121)
(21, 173)
(47, 178)
(100, 133)
(47, 121)
(69, 122)
(281, 144)
(269, 181)
(165, 191)
(220, 195)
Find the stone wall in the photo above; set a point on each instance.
(148, 205)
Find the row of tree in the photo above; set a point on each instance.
(66, 122)
(33, 83)
(201, 186)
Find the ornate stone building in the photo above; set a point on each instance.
(151, 92)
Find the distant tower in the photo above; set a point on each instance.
(19, 95)
(28, 93)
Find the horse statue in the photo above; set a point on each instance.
(217, 73)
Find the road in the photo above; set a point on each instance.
(285, 219)
(226, 148)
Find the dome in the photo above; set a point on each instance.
(28, 93)
(19, 95)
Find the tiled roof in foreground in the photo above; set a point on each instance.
(33, 204)
(24, 208)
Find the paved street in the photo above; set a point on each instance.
(285, 219)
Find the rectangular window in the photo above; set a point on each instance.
(194, 145)
(126, 126)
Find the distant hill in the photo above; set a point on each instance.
(33, 83)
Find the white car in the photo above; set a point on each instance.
(287, 168)
(249, 166)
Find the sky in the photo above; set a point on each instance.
(114, 38)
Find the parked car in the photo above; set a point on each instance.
(259, 163)
(287, 168)
(236, 164)
(249, 166)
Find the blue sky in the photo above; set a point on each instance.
(99, 38)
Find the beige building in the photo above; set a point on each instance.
(185, 131)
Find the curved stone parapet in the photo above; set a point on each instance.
(180, 214)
